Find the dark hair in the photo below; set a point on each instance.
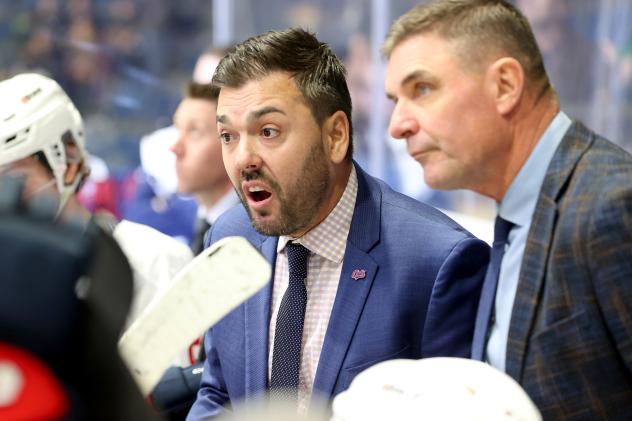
(319, 75)
(213, 50)
(202, 91)
(481, 28)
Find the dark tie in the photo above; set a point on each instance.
(488, 293)
(286, 354)
(201, 226)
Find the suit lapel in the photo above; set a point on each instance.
(531, 278)
(536, 255)
(350, 299)
(352, 293)
(257, 316)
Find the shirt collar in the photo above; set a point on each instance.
(227, 201)
(329, 238)
(519, 202)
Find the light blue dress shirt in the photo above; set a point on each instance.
(517, 206)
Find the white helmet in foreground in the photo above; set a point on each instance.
(434, 389)
(38, 118)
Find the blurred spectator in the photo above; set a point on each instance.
(566, 52)
(626, 65)
(82, 64)
(150, 193)
(39, 51)
(199, 164)
(360, 80)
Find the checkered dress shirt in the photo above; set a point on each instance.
(326, 243)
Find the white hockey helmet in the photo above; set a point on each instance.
(438, 388)
(36, 115)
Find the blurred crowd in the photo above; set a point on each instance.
(125, 63)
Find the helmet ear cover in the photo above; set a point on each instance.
(41, 158)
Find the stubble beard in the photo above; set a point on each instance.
(299, 202)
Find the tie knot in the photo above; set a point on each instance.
(501, 230)
(297, 259)
(202, 225)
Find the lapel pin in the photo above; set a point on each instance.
(358, 274)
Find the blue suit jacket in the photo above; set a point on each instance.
(570, 337)
(419, 297)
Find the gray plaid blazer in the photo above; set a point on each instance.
(570, 338)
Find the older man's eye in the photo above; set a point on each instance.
(422, 89)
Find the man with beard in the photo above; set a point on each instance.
(362, 274)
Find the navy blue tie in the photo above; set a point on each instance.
(201, 226)
(286, 354)
(488, 293)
